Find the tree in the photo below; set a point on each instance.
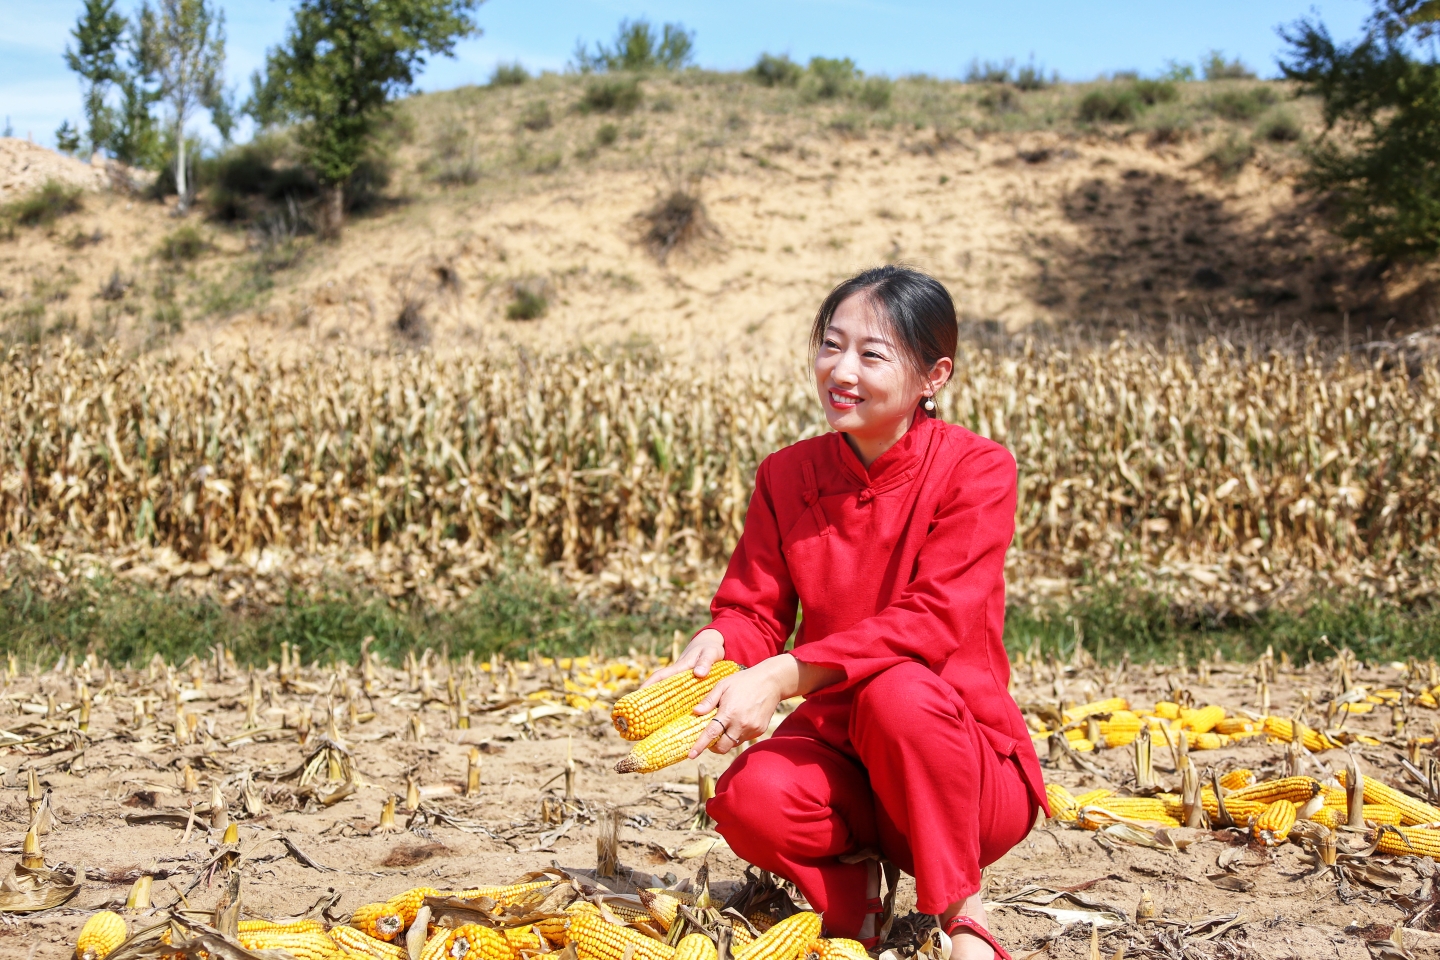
(1379, 157)
(98, 34)
(637, 48)
(135, 138)
(67, 138)
(189, 58)
(337, 70)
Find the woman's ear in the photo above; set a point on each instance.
(939, 375)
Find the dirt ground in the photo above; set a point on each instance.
(1264, 903)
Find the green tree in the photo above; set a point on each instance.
(189, 58)
(135, 138)
(98, 35)
(341, 63)
(638, 47)
(1379, 157)
(67, 138)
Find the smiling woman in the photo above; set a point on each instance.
(892, 532)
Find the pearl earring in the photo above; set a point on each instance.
(929, 403)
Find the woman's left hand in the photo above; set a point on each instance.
(745, 702)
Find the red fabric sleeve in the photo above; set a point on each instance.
(946, 607)
(754, 609)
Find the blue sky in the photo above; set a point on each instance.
(1079, 38)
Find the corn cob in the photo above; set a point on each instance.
(1295, 789)
(1412, 810)
(1167, 710)
(1202, 720)
(670, 744)
(661, 906)
(1238, 727)
(1241, 811)
(628, 913)
(834, 948)
(555, 930)
(596, 938)
(1236, 779)
(1096, 817)
(1091, 796)
(1383, 813)
(740, 937)
(1282, 729)
(1208, 741)
(472, 941)
(1062, 804)
(1329, 817)
(294, 926)
(696, 946)
(1362, 707)
(1099, 706)
(637, 715)
(1273, 825)
(102, 933)
(503, 895)
(1416, 841)
(308, 945)
(525, 938)
(786, 940)
(377, 920)
(761, 920)
(358, 946)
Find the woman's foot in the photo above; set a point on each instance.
(869, 927)
(969, 936)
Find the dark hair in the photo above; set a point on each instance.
(918, 307)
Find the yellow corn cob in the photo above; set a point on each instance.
(1239, 727)
(525, 938)
(1208, 741)
(695, 946)
(761, 920)
(503, 895)
(1090, 796)
(1062, 804)
(686, 898)
(472, 941)
(596, 938)
(1383, 813)
(309, 945)
(661, 906)
(1095, 817)
(1081, 745)
(1241, 811)
(294, 926)
(377, 920)
(1273, 825)
(1099, 706)
(1167, 710)
(628, 913)
(1295, 789)
(1362, 707)
(102, 933)
(358, 946)
(1117, 738)
(1202, 720)
(740, 937)
(1282, 729)
(436, 945)
(1412, 810)
(555, 930)
(670, 744)
(786, 940)
(406, 905)
(1237, 779)
(1417, 841)
(835, 948)
(637, 715)
(1329, 817)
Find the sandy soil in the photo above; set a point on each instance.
(118, 770)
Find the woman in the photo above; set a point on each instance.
(890, 533)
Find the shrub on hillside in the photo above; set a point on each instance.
(1216, 67)
(509, 75)
(182, 245)
(639, 47)
(43, 206)
(1244, 103)
(876, 93)
(1152, 92)
(1279, 126)
(1113, 103)
(778, 71)
(831, 76)
(611, 95)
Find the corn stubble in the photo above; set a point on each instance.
(1222, 478)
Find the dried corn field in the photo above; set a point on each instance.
(1228, 481)
(201, 803)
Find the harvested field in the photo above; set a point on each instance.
(303, 759)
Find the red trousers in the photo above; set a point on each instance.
(897, 765)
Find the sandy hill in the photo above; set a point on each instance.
(503, 203)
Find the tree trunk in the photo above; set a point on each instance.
(181, 187)
(332, 210)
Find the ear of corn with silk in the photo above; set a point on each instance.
(100, 935)
(642, 712)
(786, 940)
(670, 744)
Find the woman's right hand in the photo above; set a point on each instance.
(707, 647)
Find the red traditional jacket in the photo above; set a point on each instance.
(903, 561)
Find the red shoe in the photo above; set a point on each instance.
(962, 924)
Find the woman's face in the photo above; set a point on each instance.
(867, 386)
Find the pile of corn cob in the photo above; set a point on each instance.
(519, 921)
(662, 718)
(1112, 723)
(1269, 809)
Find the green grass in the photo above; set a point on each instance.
(43, 206)
(512, 614)
(517, 613)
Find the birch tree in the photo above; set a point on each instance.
(190, 60)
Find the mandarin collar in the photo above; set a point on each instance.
(896, 465)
